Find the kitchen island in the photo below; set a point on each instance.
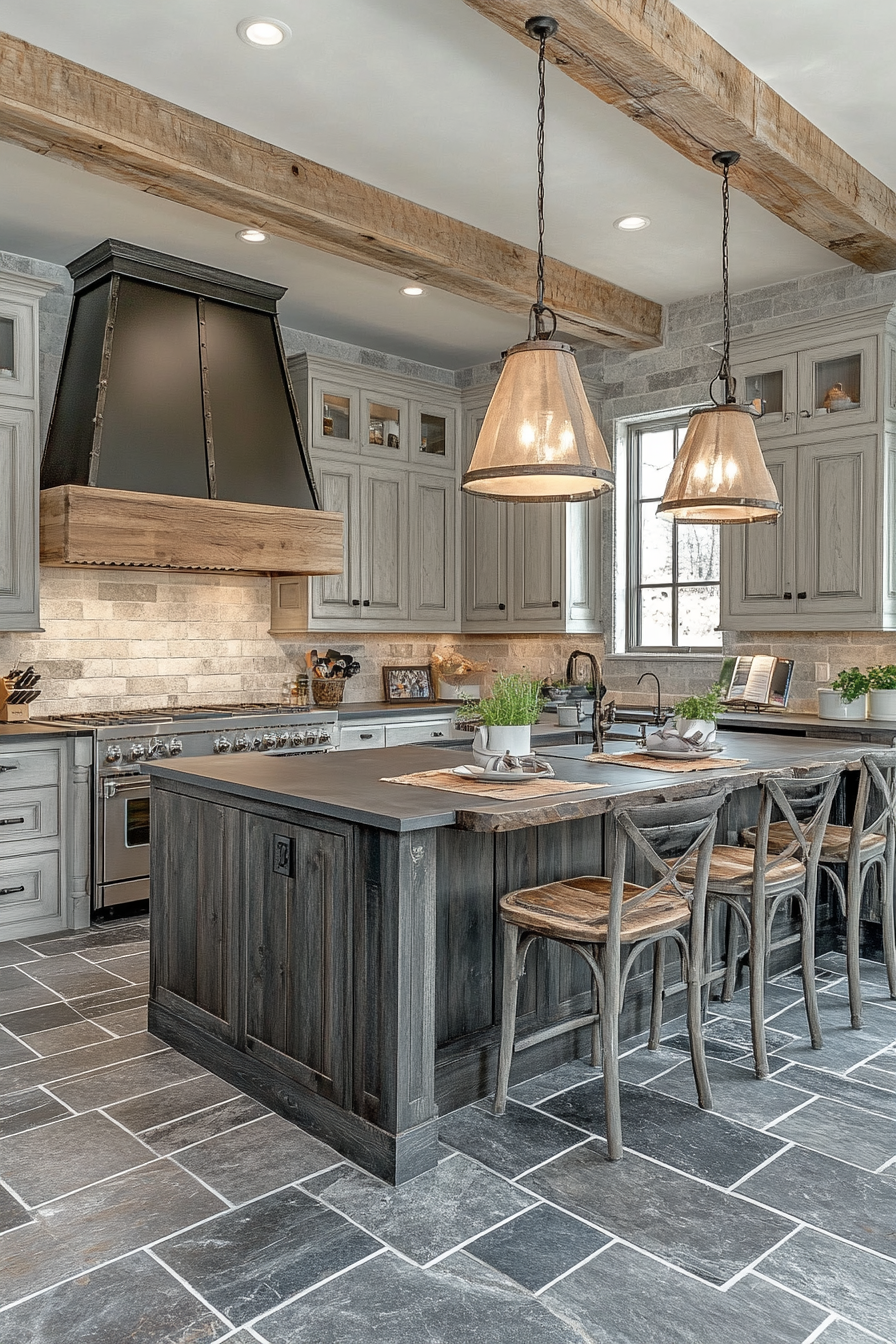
(330, 942)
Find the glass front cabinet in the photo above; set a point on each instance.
(829, 438)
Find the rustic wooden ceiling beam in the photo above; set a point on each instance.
(658, 67)
(56, 107)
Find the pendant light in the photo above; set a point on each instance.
(539, 441)
(719, 475)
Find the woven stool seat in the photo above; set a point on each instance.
(834, 846)
(733, 864)
(577, 910)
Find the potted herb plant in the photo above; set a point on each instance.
(847, 696)
(696, 715)
(882, 692)
(506, 716)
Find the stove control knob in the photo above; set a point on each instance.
(113, 754)
(311, 738)
(283, 739)
(155, 748)
(269, 741)
(222, 744)
(256, 743)
(241, 743)
(324, 736)
(175, 747)
(297, 739)
(137, 752)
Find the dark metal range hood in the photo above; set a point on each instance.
(173, 409)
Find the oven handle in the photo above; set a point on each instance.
(113, 786)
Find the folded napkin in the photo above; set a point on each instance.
(668, 739)
(526, 765)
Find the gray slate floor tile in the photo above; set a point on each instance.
(73, 1063)
(852, 1089)
(11, 1213)
(852, 1282)
(841, 1131)
(831, 1195)
(697, 1142)
(18, 991)
(258, 1158)
(126, 1022)
(44, 1164)
(134, 1300)
(125, 995)
(736, 1092)
(134, 968)
(13, 1051)
(563, 1076)
(389, 1302)
(841, 1332)
(130, 1079)
(110, 951)
(777, 997)
(622, 1297)
(715, 1049)
(14, 954)
(644, 1064)
(27, 1020)
(251, 1260)
(885, 1060)
(538, 1246)
(26, 1110)
(511, 1143)
(171, 1102)
(83, 1230)
(179, 1134)
(704, 1231)
(70, 1037)
(71, 976)
(428, 1216)
(875, 1077)
(738, 1032)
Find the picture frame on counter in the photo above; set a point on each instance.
(405, 685)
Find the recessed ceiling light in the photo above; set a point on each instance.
(631, 222)
(413, 291)
(264, 32)
(252, 236)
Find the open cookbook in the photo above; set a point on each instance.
(760, 680)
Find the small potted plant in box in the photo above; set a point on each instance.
(506, 716)
(695, 716)
(847, 696)
(882, 692)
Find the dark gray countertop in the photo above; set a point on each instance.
(21, 732)
(348, 785)
(381, 709)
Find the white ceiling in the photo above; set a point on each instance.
(427, 99)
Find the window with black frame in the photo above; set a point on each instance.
(672, 588)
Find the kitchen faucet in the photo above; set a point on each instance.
(601, 717)
(659, 716)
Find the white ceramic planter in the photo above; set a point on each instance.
(701, 732)
(500, 738)
(832, 706)
(882, 704)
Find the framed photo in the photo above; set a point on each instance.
(403, 684)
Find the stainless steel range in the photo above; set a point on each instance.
(120, 873)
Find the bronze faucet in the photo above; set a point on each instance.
(601, 717)
(658, 716)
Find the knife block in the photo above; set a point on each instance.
(11, 713)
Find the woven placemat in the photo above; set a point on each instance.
(641, 761)
(506, 793)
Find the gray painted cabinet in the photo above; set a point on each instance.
(828, 563)
(19, 450)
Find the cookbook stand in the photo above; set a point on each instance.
(11, 713)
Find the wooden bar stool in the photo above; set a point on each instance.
(754, 879)
(599, 916)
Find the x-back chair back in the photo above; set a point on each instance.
(599, 916)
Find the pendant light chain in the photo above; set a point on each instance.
(539, 288)
(726, 160)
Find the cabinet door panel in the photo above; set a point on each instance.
(298, 935)
(759, 559)
(485, 527)
(583, 566)
(432, 550)
(774, 381)
(847, 367)
(334, 596)
(537, 572)
(384, 566)
(837, 554)
(18, 521)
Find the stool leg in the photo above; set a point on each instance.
(807, 962)
(758, 956)
(731, 942)
(695, 1032)
(656, 1002)
(595, 1009)
(609, 1024)
(888, 923)
(508, 1020)
(853, 925)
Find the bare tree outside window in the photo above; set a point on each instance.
(673, 568)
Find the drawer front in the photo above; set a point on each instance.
(28, 814)
(360, 736)
(30, 888)
(426, 730)
(28, 769)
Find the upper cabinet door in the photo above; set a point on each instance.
(338, 596)
(759, 571)
(385, 426)
(335, 415)
(772, 383)
(485, 530)
(538, 534)
(837, 385)
(433, 514)
(384, 558)
(17, 349)
(18, 521)
(433, 441)
(839, 526)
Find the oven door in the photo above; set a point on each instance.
(124, 833)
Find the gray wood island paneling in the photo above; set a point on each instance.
(329, 942)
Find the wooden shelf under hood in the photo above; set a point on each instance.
(88, 525)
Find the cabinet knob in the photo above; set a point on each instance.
(801, 594)
(787, 596)
(356, 601)
(806, 415)
(367, 602)
(788, 415)
(502, 606)
(555, 604)
(365, 737)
